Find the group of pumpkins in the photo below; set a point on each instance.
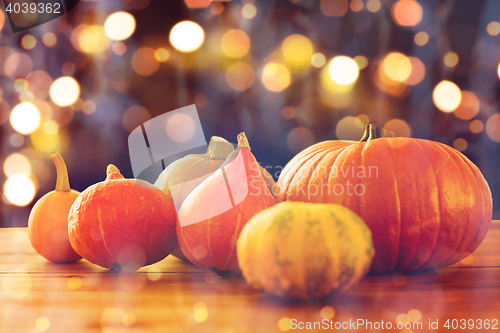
(425, 206)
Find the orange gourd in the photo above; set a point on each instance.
(427, 204)
(48, 220)
(213, 214)
(122, 223)
(182, 176)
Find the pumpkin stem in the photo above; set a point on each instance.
(219, 148)
(62, 182)
(243, 141)
(111, 168)
(372, 132)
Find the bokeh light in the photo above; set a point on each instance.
(51, 127)
(25, 118)
(343, 70)
(493, 28)
(119, 48)
(200, 313)
(275, 77)
(397, 66)
(42, 324)
(162, 54)
(469, 106)
(373, 6)
(288, 112)
(235, 43)
(187, 36)
(216, 8)
(407, 12)
(447, 96)
(460, 144)
(476, 126)
(417, 72)
(350, 128)
(399, 127)
(181, 127)
(240, 76)
(493, 127)
(18, 65)
(356, 5)
(249, 11)
(89, 107)
(119, 26)
(134, 116)
(92, 39)
(144, 61)
(362, 61)
(64, 91)
(39, 83)
(17, 164)
(450, 59)
(284, 324)
(48, 141)
(297, 50)
(28, 42)
(19, 190)
(318, 60)
(68, 68)
(327, 312)
(49, 39)
(334, 8)
(421, 38)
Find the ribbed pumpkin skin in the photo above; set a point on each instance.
(190, 171)
(122, 224)
(303, 250)
(210, 243)
(428, 207)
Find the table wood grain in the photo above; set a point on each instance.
(173, 296)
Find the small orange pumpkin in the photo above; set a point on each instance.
(48, 220)
(122, 223)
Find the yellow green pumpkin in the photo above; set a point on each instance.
(304, 250)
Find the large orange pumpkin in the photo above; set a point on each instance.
(213, 214)
(122, 223)
(426, 204)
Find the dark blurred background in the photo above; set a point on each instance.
(287, 72)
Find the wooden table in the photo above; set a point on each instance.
(172, 296)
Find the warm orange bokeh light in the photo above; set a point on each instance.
(493, 28)
(417, 72)
(240, 76)
(451, 59)
(335, 8)
(469, 106)
(144, 62)
(399, 127)
(421, 38)
(493, 127)
(407, 12)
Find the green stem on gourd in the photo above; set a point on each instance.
(111, 168)
(62, 181)
(219, 148)
(243, 141)
(372, 132)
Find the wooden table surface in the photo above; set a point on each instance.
(172, 296)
